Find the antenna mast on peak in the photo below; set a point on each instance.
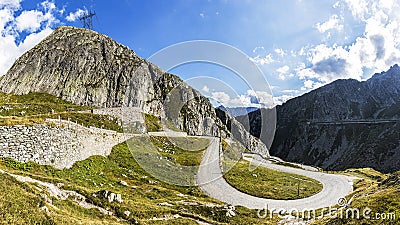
(87, 20)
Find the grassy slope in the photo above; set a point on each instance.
(268, 183)
(32, 108)
(153, 123)
(184, 151)
(20, 203)
(34, 104)
(263, 182)
(374, 190)
(99, 173)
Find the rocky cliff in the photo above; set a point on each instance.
(88, 68)
(344, 124)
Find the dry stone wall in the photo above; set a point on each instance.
(39, 143)
(61, 144)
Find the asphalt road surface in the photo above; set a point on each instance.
(211, 181)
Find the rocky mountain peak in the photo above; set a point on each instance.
(344, 124)
(88, 68)
(393, 72)
(78, 65)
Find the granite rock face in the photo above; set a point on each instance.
(85, 68)
(88, 68)
(241, 133)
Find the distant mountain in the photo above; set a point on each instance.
(238, 111)
(88, 68)
(342, 125)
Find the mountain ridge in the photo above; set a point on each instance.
(317, 129)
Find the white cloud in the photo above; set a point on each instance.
(73, 16)
(202, 15)
(29, 20)
(249, 99)
(279, 100)
(375, 50)
(36, 25)
(308, 84)
(359, 8)
(221, 97)
(14, 4)
(261, 58)
(48, 5)
(331, 24)
(288, 91)
(6, 15)
(330, 63)
(33, 39)
(265, 99)
(280, 52)
(205, 89)
(283, 72)
(283, 69)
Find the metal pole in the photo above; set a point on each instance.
(298, 188)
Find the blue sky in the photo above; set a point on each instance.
(298, 44)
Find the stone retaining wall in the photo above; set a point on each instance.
(61, 144)
(132, 119)
(39, 143)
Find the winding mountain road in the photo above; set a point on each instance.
(210, 180)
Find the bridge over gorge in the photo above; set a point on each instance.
(345, 122)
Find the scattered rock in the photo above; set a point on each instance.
(118, 198)
(127, 213)
(182, 195)
(182, 202)
(230, 211)
(44, 208)
(164, 204)
(46, 198)
(111, 196)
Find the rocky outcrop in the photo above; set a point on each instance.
(88, 68)
(240, 133)
(342, 125)
(85, 68)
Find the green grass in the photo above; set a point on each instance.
(13, 120)
(269, 183)
(88, 119)
(152, 123)
(16, 206)
(376, 191)
(20, 203)
(232, 153)
(186, 151)
(141, 198)
(33, 108)
(35, 104)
